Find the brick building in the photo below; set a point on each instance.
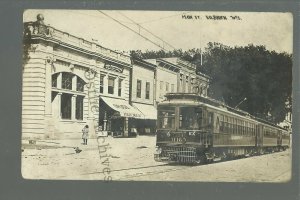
(143, 95)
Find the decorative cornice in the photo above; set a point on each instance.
(50, 34)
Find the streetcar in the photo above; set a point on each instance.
(196, 129)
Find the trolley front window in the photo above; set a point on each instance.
(166, 118)
(190, 118)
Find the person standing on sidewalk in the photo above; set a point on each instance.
(85, 134)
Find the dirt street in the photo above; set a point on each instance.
(132, 159)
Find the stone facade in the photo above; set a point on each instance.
(61, 81)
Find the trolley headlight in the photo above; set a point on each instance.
(158, 150)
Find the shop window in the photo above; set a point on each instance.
(67, 81)
(120, 87)
(79, 107)
(111, 85)
(80, 84)
(66, 105)
(147, 90)
(102, 83)
(138, 88)
(54, 80)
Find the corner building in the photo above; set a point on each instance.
(69, 82)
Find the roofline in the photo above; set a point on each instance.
(143, 63)
(257, 119)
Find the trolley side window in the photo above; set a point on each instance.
(166, 118)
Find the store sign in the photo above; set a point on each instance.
(135, 115)
(113, 68)
(123, 107)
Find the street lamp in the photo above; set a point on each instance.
(240, 103)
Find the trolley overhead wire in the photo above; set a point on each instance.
(161, 18)
(132, 30)
(148, 31)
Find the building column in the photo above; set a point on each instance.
(59, 80)
(105, 84)
(49, 124)
(116, 83)
(73, 108)
(58, 102)
(74, 83)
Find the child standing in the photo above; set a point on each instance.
(85, 134)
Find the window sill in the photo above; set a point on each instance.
(68, 91)
(72, 120)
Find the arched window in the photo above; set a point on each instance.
(69, 89)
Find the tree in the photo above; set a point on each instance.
(263, 77)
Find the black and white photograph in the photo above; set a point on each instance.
(135, 95)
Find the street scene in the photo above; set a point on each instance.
(157, 96)
(137, 164)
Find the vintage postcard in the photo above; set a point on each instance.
(187, 96)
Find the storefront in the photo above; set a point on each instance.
(118, 117)
(147, 125)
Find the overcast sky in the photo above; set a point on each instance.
(274, 30)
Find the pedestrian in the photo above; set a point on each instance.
(85, 134)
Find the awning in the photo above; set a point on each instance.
(123, 107)
(149, 111)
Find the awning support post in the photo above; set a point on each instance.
(126, 127)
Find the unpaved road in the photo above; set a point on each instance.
(132, 159)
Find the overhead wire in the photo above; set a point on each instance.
(132, 30)
(147, 31)
(161, 18)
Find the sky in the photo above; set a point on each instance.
(172, 29)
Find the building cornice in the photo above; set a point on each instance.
(63, 39)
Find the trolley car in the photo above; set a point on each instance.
(196, 129)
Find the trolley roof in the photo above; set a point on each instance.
(194, 99)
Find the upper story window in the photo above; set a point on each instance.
(111, 85)
(147, 90)
(120, 87)
(138, 88)
(102, 83)
(67, 80)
